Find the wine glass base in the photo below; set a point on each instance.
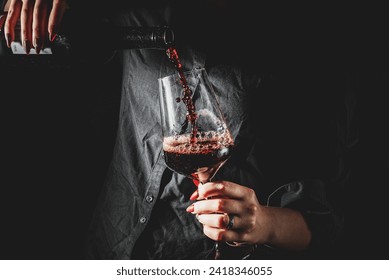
(223, 251)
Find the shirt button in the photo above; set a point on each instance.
(143, 220)
(149, 198)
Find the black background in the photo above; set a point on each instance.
(58, 128)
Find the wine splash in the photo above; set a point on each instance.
(191, 115)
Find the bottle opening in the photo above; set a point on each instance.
(168, 36)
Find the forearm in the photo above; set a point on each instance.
(287, 229)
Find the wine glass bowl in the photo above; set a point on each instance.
(196, 139)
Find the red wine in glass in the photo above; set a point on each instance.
(199, 159)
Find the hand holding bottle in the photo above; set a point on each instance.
(39, 20)
(66, 36)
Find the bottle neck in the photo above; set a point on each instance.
(142, 37)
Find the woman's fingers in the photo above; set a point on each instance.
(39, 25)
(216, 205)
(222, 189)
(12, 18)
(55, 18)
(225, 235)
(26, 18)
(219, 202)
(36, 23)
(221, 221)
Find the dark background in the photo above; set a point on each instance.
(58, 126)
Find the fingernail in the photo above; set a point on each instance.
(52, 36)
(190, 209)
(196, 182)
(27, 46)
(38, 43)
(8, 39)
(194, 195)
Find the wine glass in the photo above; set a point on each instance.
(196, 139)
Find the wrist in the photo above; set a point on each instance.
(284, 228)
(268, 228)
